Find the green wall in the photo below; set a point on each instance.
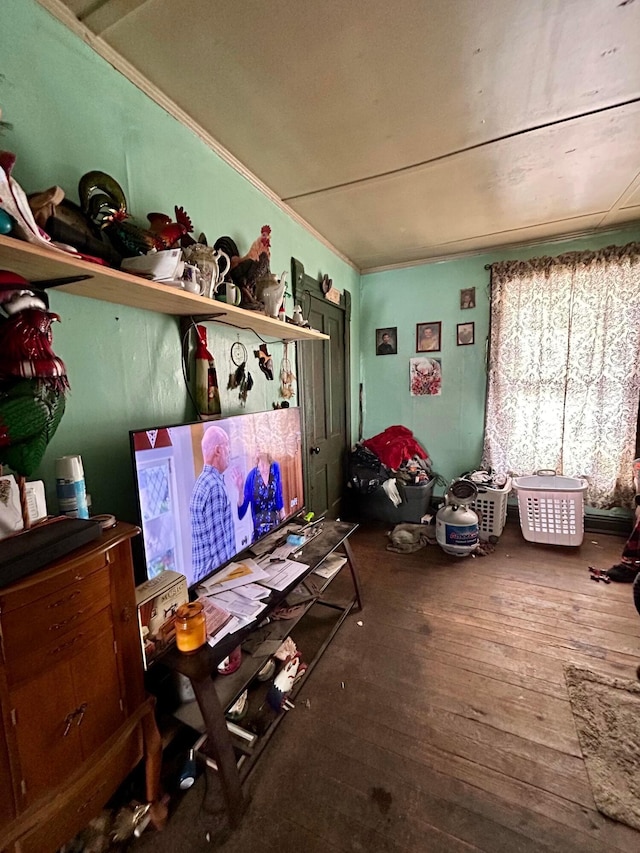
(72, 112)
(449, 426)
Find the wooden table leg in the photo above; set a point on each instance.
(219, 744)
(153, 766)
(354, 572)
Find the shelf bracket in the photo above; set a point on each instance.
(58, 282)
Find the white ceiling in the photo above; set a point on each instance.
(403, 130)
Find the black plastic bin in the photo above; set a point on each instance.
(416, 500)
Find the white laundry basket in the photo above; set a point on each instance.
(491, 505)
(551, 508)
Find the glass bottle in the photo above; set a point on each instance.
(191, 627)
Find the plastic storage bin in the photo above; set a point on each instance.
(551, 508)
(377, 506)
(491, 503)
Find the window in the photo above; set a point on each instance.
(564, 372)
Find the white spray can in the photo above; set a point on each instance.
(70, 487)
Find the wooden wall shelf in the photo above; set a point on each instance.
(109, 285)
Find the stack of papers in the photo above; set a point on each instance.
(281, 572)
(233, 575)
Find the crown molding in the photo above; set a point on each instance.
(506, 247)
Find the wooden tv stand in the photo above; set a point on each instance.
(75, 717)
(215, 694)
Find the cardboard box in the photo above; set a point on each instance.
(158, 600)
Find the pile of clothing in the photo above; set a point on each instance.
(392, 455)
(486, 477)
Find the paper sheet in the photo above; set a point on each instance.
(282, 575)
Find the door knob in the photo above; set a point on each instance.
(314, 450)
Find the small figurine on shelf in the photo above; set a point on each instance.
(298, 319)
(292, 670)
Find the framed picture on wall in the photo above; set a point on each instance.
(425, 377)
(468, 297)
(465, 334)
(387, 341)
(428, 337)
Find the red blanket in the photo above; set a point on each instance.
(394, 446)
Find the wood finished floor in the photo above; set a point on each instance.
(442, 722)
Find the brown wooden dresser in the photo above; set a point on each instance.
(75, 716)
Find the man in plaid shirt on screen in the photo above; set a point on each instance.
(212, 532)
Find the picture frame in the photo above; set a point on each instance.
(465, 334)
(428, 337)
(467, 298)
(387, 341)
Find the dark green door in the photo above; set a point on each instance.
(323, 386)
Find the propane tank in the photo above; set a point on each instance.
(456, 522)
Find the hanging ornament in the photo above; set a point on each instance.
(240, 378)
(287, 377)
(207, 391)
(265, 361)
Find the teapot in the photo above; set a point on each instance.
(270, 291)
(213, 265)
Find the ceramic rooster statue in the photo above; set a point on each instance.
(172, 234)
(33, 380)
(245, 271)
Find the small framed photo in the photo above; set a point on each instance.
(387, 341)
(468, 297)
(428, 337)
(466, 334)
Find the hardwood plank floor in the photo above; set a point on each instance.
(442, 721)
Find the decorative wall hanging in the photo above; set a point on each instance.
(265, 361)
(387, 341)
(428, 337)
(425, 376)
(240, 378)
(207, 392)
(465, 334)
(287, 377)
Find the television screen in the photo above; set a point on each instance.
(208, 490)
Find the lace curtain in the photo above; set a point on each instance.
(564, 369)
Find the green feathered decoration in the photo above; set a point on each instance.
(30, 411)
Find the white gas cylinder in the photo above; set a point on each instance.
(457, 530)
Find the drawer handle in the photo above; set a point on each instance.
(57, 625)
(66, 645)
(64, 600)
(68, 720)
(81, 712)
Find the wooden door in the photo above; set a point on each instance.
(48, 742)
(323, 390)
(97, 691)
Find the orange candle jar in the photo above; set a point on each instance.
(191, 627)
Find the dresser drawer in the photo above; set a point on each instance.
(51, 581)
(45, 619)
(35, 657)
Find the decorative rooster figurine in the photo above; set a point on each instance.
(33, 380)
(245, 271)
(169, 233)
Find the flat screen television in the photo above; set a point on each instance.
(209, 490)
